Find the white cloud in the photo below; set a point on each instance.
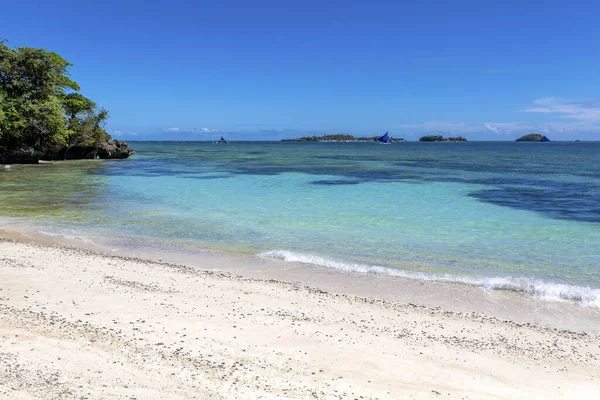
(507, 128)
(510, 129)
(441, 126)
(205, 130)
(566, 128)
(117, 132)
(578, 110)
(192, 130)
(578, 117)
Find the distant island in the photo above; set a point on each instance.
(42, 114)
(532, 137)
(439, 138)
(340, 137)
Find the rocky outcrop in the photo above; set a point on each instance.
(114, 150)
(20, 156)
(72, 153)
(109, 150)
(532, 137)
(440, 138)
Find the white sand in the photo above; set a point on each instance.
(76, 325)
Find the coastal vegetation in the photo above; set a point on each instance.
(440, 138)
(531, 137)
(339, 137)
(42, 113)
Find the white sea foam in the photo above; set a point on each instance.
(583, 295)
(66, 236)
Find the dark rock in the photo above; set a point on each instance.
(80, 153)
(532, 137)
(72, 153)
(19, 156)
(114, 150)
(109, 150)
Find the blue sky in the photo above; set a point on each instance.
(276, 69)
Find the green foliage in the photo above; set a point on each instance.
(339, 137)
(368, 138)
(531, 137)
(75, 104)
(87, 130)
(431, 138)
(332, 137)
(40, 109)
(439, 138)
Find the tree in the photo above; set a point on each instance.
(86, 120)
(40, 107)
(75, 104)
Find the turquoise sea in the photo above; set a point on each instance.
(506, 216)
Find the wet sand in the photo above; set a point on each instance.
(74, 324)
(503, 304)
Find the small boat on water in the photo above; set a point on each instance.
(385, 139)
(222, 140)
(544, 139)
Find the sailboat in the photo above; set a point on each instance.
(385, 139)
(544, 139)
(222, 140)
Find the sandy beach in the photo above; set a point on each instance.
(79, 325)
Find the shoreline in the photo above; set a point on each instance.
(452, 296)
(76, 323)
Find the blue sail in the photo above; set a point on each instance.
(385, 138)
(544, 139)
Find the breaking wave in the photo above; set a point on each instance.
(549, 291)
(66, 236)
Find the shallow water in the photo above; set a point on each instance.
(512, 216)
